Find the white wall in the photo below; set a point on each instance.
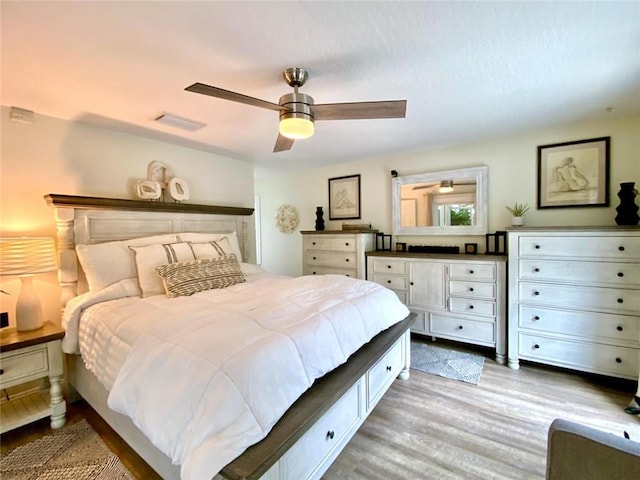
(58, 156)
(512, 165)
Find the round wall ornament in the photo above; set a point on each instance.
(286, 218)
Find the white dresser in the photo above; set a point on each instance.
(457, 297)
(575, 298)
(340, 252)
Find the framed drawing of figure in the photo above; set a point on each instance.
(344, 197)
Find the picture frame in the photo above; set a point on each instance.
(344, 197)
(574, 174)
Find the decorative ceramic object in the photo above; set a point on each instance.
(178, 189)
(627, 210)
(319, 219)
(286, 218)
(148, 190)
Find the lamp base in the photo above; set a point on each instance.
(28, 307)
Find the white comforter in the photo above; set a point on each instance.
(211, 374)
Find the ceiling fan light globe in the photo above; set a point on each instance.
(296, 128)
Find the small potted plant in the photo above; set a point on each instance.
(517, 213)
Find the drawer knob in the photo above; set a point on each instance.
(536, 293)
(388, 368)
(536, 346)
(536, 269)
(471, 289)
(346, 259)
(537, 247)
(313, 273)
(619, 328)
(313, 243)
(331, 434)
(620, 300)
(536, 317)
(618, 360)
(388, 266)
(1, 371)
(410, 283)
(620, 274)
(346, 244)
(621, 248)
(470, 307)
(315, 258)
(347, 275)
(471, 272)
(460, 327)
(388, 281)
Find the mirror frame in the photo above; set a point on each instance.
(482, 188)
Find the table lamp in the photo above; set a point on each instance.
(26, 257)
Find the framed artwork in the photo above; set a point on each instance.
(574, 174)
(344, 197)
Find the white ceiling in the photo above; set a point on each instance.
(468, 70)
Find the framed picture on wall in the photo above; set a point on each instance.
(574, 174)
(344, 197)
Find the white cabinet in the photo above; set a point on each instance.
(457, 297)
(575, 298)
(340, 252)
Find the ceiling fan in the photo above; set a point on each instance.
(298, 112)
(444, 186)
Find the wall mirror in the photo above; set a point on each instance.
(450, 202)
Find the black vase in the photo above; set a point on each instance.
(319, 219)
(627, 210)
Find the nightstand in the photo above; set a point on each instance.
(27, 356)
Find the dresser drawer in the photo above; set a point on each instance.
(472, 307)
(342, 243)
(331, 259)
(591, 357)
(381, 265)
(600, 299)
(624, 274)
(472, 289)
(464, 329)
(394, 282)
(325, 435)
(383, 373)
(26, 363)
(472, 271)
(314, 270)
(580, 247)
(605, 326)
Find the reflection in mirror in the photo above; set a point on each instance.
(452, 202)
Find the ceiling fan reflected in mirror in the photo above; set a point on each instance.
(444, 186)
(298, 113)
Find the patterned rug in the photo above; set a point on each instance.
(74, 452)
(441, 361)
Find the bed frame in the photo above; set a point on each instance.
(311, 434)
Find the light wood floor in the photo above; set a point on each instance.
(430, 427)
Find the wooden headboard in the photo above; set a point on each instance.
(89, 220)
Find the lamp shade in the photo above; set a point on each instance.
(27, 255)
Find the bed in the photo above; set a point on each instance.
(345, 347)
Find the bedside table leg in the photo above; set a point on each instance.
(58, 405)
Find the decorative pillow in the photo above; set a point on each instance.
(152, 256)
(187, 278)
(231, 237)
(212, 249)
(107, 263)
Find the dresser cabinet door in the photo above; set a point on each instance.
(427, 285)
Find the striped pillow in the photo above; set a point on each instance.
(148, 257)
(187, 278)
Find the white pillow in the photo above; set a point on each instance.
(212, 249)
(107, 263)
(208, 237)
(151, 256)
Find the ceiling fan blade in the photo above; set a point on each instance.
(360, 110)
(283, 143)
(233, 96)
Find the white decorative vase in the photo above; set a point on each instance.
(517, 221)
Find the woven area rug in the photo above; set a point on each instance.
(75, 452)
(441, 361)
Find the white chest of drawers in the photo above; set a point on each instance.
(575, 298)
(457, 297)
(339, 252)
